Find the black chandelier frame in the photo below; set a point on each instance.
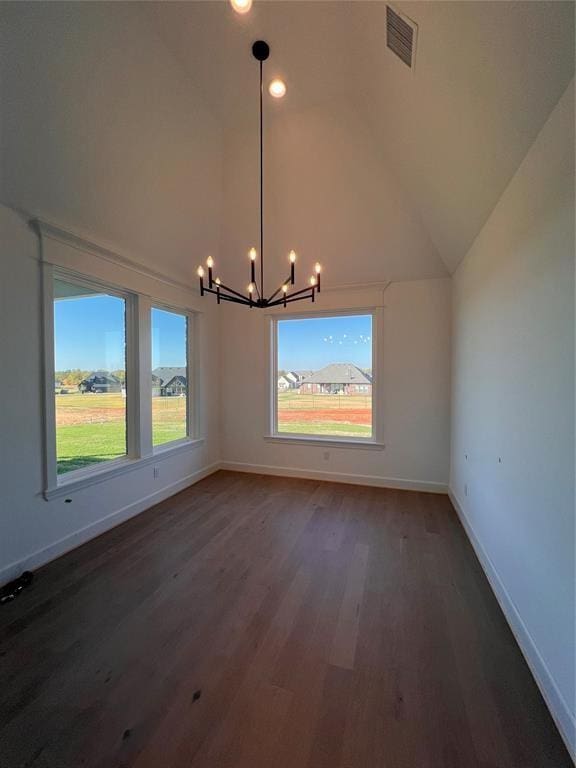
(282, 295)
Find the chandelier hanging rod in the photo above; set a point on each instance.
(260, 51)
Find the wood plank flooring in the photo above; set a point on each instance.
(267, 622)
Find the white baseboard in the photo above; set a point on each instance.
(336, 477)
(77, 538)
(559, 709)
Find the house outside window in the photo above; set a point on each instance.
(323, 376)
(90, 375)
(106, 411)
(169, 334)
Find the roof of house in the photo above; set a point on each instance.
(339, 373)
(303, 374)
(166, 373)
(103, 375)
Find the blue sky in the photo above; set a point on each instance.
(89, 334)
(310, 344)
(168, 339)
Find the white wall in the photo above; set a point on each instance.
(328, 194)
(32, 530)
(512, 466)
(415, 349)
(103, 134)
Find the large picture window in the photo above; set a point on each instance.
(324, 376)
(89, 375)
(119, 386)
(169, 376)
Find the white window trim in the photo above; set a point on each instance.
(192, 387)
(140, 451)
(375, 442)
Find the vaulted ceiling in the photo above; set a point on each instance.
(371, 164)
(137, 122)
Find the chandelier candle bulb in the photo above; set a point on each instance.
(292, 257)
(318, 269)
(284, 291)
(218, 289)
(200, 273)
(241, 6)
(252, 254)
(250, 292)
(210, 264)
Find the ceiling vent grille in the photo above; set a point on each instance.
(401, 35)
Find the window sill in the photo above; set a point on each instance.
(83, 478)
(326, 442)
(176, 446)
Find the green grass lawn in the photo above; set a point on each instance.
(335, 429)
(91, 428)
(82, 445)
(166, 433)
(98, 429)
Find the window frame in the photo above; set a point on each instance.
(139, 448)
(192, 401)
(376, 439)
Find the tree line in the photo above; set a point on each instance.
(73, 376)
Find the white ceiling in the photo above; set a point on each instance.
(449, 134)
(487, 76)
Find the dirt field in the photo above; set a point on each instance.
(347, 415)
(98, 409)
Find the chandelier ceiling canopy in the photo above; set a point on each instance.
(255, 295)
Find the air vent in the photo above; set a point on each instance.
(401, 35)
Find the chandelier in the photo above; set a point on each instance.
(255, 295)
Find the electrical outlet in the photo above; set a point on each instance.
(156, 472)
(326, 455)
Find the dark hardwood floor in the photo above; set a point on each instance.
(264, 622)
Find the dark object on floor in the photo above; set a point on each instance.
(11, 590)
(196, 695)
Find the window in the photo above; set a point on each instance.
(169, 376)
(107, 349)
(89, 375)
(324, 376)
(101, 344)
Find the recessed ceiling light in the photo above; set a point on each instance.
(241, 6)
(277, 88)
